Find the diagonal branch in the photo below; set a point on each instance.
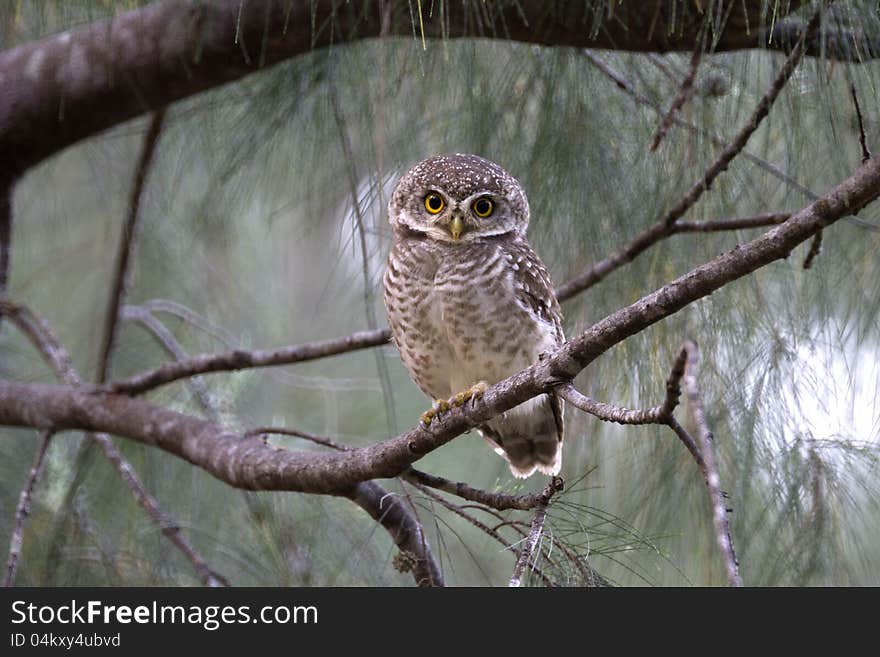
(406, 532)
(253, 465)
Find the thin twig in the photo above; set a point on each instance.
(170, 344)
(498, 501)
(44, 340)
(684, 95)
(239, 359)
(815, 250)
(620, 415)
(305, 435)
(360, 224)
(758, 221)
(525, 555)
(126, 244)
(713, 481)
(863, 140)
(22, 511)
(663, 66)
(457, 510)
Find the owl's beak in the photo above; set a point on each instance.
(456, 227)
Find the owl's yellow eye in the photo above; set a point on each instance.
(483, 207)
(434, 203)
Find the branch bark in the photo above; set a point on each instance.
(72, 85)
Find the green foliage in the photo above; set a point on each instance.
(248, 220)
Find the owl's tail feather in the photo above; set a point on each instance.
(526, 456)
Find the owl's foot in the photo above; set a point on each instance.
(439, 407)
(474, 392)
(443, 405)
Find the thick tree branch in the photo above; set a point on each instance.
(405, 531)
(253, 465)
(72, 85)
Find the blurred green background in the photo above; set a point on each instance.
(247, 220)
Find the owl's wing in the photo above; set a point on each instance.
(532, 285)
(534, 291)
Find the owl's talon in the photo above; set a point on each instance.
(441, 406)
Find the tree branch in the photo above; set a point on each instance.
(70, 86)
(239, 359)
(710, 472)
(23, 510)
(251, 464)
(405, 531)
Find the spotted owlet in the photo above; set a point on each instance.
(469, 302)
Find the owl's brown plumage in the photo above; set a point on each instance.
(468, 299)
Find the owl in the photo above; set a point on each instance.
(469, 302)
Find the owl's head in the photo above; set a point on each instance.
(458, 199)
